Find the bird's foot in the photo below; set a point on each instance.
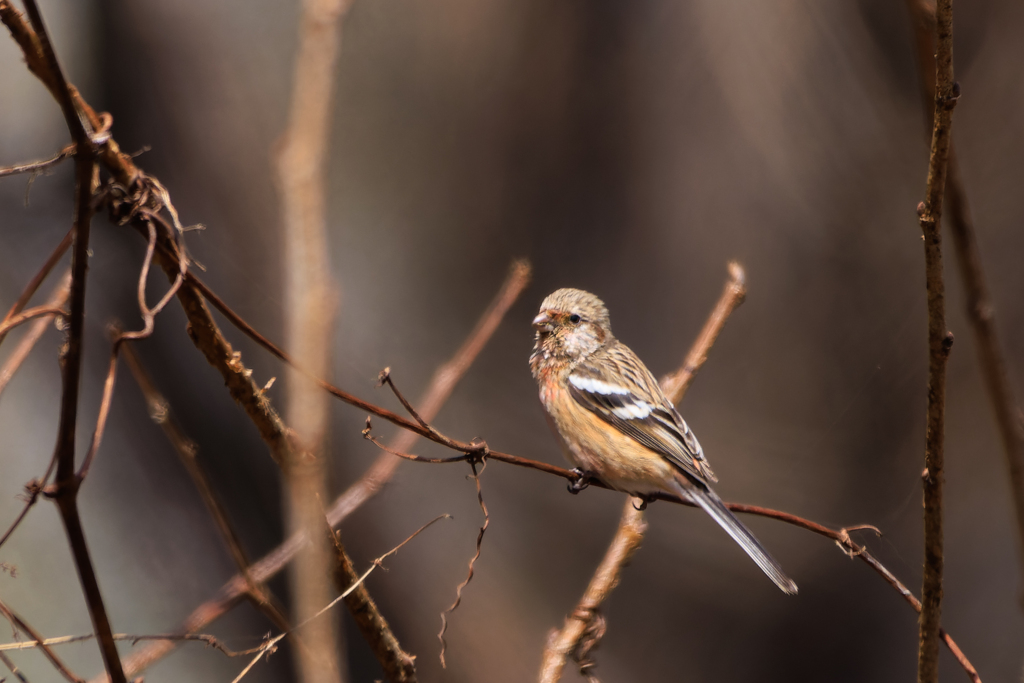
(581, 481)
(644, 500)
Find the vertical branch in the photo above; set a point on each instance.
(66, 486)
(309, 309)
(939, 344)
(585, 627)
(980, 309)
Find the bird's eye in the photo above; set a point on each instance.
(574, 319)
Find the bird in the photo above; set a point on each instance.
(614, 422)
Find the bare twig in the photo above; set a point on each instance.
(472, 561)
(939, 343)
(36, 167)
(58, 298)
(11, 616)
(565, 643)
(632, 525)
(39, 277)
(160, 412)
(399, 666)
(12, 668)
(676, 384)
(978, 300)
(441, 386)
(31, 314)
(270, 644)
(209, 640)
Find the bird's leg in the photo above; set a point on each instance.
(581, 481)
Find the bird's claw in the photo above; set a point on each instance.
(581, 481)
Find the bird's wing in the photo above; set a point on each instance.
(616, 386)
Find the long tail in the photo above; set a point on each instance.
(714, 506)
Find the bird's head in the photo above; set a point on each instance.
(571, 325)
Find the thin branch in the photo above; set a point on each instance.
(12, 668)
(37, 167)
(67, 482)
(39, 277)
(399, 666)
(978, 300)
(676, 384)
(118, 338)
(472, 561)
(566, 643)
(579, 636)
(270, 645)
(31, 314)
(58, 298)
(441, 386)
(11, 616)
(939, 343)
(187, 451)
(209, 640)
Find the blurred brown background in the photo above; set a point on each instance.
(629, 148)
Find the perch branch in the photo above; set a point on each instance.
(579, 636)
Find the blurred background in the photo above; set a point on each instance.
(631, 149)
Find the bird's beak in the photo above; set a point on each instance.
(542, 323)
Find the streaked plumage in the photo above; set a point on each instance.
(613, 420)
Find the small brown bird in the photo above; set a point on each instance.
(615, 423)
